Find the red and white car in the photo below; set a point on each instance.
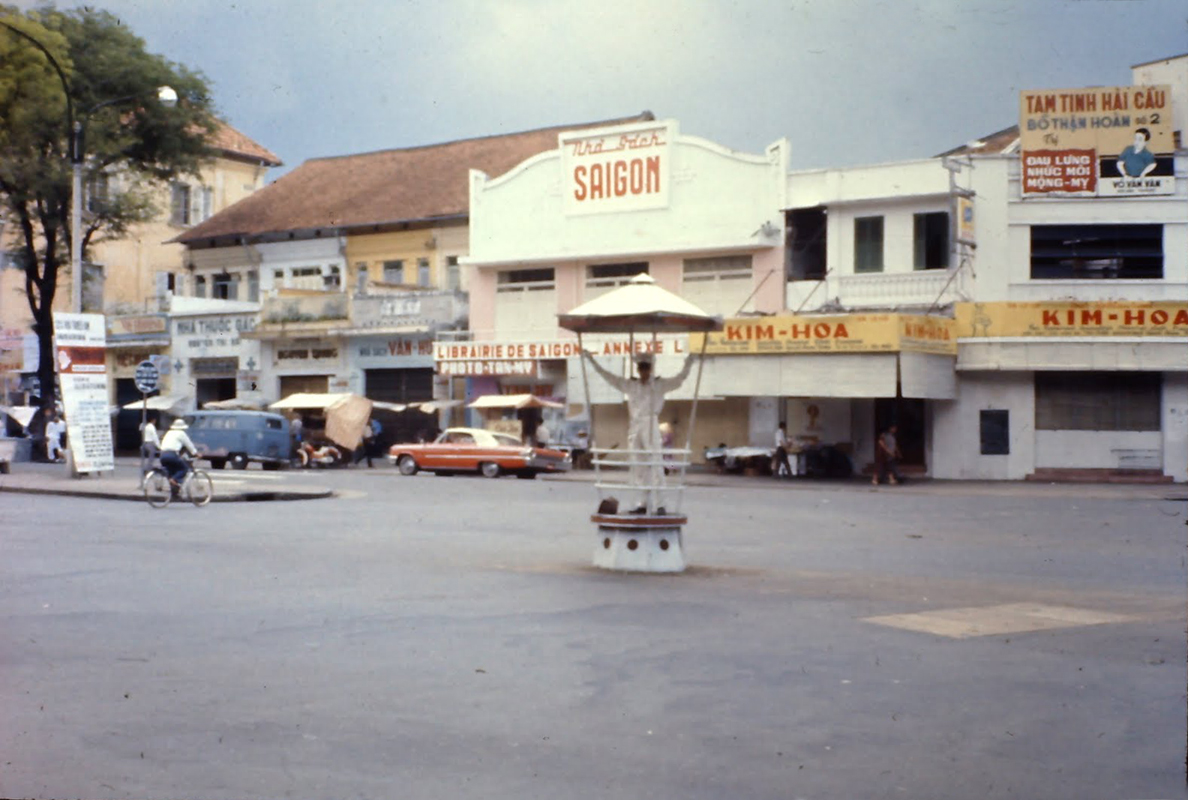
(477, 450)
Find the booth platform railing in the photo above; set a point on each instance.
(650, 482)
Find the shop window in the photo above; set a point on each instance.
(98, 193)
(613, 274)
(930, 240)
(394, 271)
(868, 244)
(166, 283)
(526, 280)
(722, 268)
(1096, 252)
(719, 285)
(225, 287)
(453, 274)
(995, 432)
(1097, 401)
(305, 278)
(179, 204)
(806, 244)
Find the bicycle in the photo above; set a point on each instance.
(197, 487)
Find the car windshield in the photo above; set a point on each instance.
(506, 440)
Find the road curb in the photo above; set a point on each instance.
(222, 497)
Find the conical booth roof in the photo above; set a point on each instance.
(641, 305)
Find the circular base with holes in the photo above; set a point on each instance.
(632, 543)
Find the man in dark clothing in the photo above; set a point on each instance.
(887, 456)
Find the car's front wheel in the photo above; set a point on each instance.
(407, 465)
(489, 469)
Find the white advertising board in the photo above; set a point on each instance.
(79, 343)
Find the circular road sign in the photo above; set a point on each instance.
(147, 376)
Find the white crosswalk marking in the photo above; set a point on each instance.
(964, 623)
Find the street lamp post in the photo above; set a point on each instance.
(167, 97)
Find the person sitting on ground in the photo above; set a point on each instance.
(173, 444)
(55, 429)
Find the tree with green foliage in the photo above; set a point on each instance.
(84, 63)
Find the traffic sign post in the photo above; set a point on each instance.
(148, 377)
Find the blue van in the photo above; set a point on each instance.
(237, 437)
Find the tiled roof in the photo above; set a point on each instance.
(1003, 141)
(389, 186)
(234, 144)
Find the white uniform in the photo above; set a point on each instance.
(54, 430)
(175, 441)
(645, 401)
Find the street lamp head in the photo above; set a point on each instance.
(167, 96)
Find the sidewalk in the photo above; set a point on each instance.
(123, 483)
(242, 486)
(920, 486)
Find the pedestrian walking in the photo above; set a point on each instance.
(780, 467)
(367, 449)
(150, 444)
(887, 457)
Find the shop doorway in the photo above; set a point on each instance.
(908, 414)
(211, 389)
(413, 385)
(127, 433)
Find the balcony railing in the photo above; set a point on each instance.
(881, 290)
(310, 308)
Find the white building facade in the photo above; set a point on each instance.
(607, 204)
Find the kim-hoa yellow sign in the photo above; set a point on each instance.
(840, 333)
(997, 320)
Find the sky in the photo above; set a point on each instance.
(847, 82)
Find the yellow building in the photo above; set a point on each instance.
(141, 270)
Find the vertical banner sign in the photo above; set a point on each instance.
(625, 168)
(965, 222)
(1106, 141)
(79, 343)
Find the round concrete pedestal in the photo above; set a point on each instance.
(636, 543)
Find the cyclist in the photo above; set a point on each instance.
(173, 444)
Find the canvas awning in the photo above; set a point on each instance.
(235, 404)
(310, 400)
(514, 401)
(346, 414)
(22, 414)
(641, 306)
(160, 402)
(425, 406)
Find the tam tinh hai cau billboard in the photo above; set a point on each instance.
(1105, 141)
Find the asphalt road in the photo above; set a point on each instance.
(447, 638)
